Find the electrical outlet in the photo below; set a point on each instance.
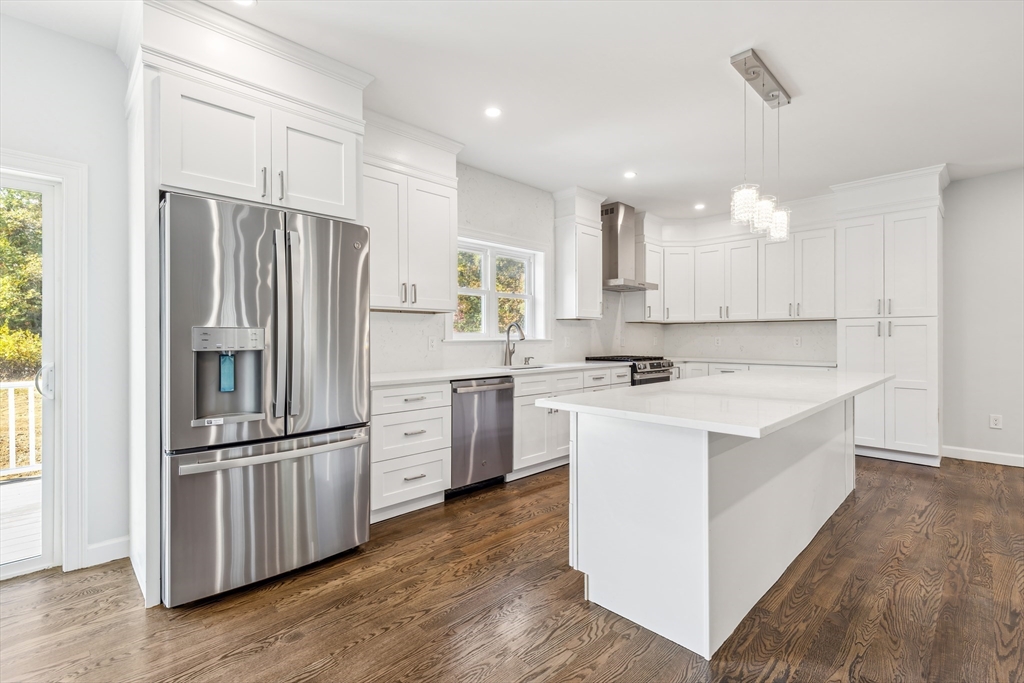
(796, 342)
(995, 421)
(432, 343)
(718, 341)
(655, 341)
(565, 342)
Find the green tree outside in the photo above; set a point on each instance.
(509, 278)
(21, 283)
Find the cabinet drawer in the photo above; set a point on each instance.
(566, 381)
(590, 390)
(725, 368)
(597, 378)
(409, 477)
(532, 385)
(400, 399)
(622, 375)
(548, 383)
(691, 370)
(416, 431)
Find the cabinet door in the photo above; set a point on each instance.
(678, 279)
(532, 432)
(695, 370)
(775, 280)
(709, 282)
(558, 431)
(315, 166)
(741, 280)
(653, 273)
(385, 212)
(860, 272)
(214, 141)
(912, 263)
(912, 398)
(433, 236)
(815, 273)
(588, 272)
(860, 347)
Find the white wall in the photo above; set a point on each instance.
(512, 213)
(754, 340)
(63, 98)
(983, 324)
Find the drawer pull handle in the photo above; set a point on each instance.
(418, 476)
(597, 378)
(624, 374)
(415, 398)
(416, 433)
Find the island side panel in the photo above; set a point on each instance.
(641, 524)
(768, 497)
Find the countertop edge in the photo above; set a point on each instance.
(452, 374)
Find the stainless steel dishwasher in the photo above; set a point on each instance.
(481, 429)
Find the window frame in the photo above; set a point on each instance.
(490, 252)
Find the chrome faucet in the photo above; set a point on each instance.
(510, 348)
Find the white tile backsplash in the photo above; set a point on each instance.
(754, 340)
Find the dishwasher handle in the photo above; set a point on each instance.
(485, 387)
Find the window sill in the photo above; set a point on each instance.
(491, 340)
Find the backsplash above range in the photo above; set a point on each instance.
(753, 340)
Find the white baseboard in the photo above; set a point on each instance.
(406, 507)
(537, 469)
(899, 456)
(105, 551)
(994, 457)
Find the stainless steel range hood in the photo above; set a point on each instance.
(618, 227)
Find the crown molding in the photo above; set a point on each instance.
(412, 132)
(405, 169)
(213, 19)
(579, 193)
(940, 171)
(890, 207)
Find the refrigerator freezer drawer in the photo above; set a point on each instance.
(237, 516)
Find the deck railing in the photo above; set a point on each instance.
(24, 408)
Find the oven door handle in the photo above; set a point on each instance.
(233, 463)
(646, 375)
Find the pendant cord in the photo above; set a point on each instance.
(762, 135)
(744, 121)
(778, 154)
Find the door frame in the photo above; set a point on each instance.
(69, 226)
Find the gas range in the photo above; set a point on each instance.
(646, 369)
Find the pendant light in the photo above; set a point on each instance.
(764, 210)
(779, 229)
(745, 196)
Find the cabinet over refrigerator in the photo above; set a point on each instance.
(265, 387)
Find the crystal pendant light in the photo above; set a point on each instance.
(744, 197)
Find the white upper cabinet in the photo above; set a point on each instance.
(579, 293)
(232, 145)
(214, 141)
(888, 265)
(815, 273)
(776, 280)
(386, 214)
(860, 267)
(315, 166)
(860, 347)
(433, 244)
(912, 263)
(413, 227)
(709, 282)
(741, 280)
(912, 398)
(678, 284)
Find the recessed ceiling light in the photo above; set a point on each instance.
(698, 206)
(629, 174)
(493, 112)
(246, 3)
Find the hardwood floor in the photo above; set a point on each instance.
(918, 576)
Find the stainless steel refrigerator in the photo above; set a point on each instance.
(265, 393)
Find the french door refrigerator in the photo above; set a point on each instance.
(265, 393)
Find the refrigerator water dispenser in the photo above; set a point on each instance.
(229, 374)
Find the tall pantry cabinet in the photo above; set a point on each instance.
(888, 309)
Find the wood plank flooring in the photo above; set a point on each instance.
(919, 576)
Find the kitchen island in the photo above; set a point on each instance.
(689, 499)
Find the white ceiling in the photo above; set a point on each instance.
(592, 89)
(94, 21)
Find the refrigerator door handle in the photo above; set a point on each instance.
(281, 323)
(201, 467)
(296, 300)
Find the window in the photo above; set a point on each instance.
(497, 287)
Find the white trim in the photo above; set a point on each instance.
(71, 264)
(105, 551)
(492, 340)
(406, 507)
(412, 132)
(405, 169)
(978, 455)
(899, 456)
(939, 170)
(537, 469)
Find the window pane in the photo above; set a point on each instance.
(470, 269)
(511, 311)
(510, 275)
(469, 315)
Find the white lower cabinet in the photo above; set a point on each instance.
(533, 432)
(401, 480)
(691, 370)
(726, 368)
(902, 414)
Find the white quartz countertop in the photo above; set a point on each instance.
(737, 361)
(750, 404)
(383, 379)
